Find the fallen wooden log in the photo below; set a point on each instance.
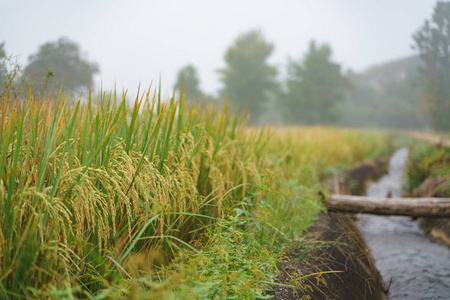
(414, 207)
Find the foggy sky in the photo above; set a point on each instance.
(137, 41)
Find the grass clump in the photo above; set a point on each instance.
(427, 160)
(157, 200)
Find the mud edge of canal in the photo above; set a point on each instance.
(436, 228)
(340, 247)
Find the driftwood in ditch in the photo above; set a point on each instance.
(414, 207)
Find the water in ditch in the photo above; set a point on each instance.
(415, 267)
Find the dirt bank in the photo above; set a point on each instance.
(438, 228)
(432, 138)
(342, 267)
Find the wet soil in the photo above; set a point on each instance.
(341, 251)
(437, 228)
(340, 265)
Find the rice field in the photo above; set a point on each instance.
(160, 199)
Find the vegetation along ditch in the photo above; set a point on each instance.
(161, 199)
(339, 266)
(165, 199)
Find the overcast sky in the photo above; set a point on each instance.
(137, 41)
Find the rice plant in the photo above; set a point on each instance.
(106, 200)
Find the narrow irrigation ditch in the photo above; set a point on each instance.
(411, 264)
(376, 257)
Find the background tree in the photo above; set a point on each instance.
(432, 41)
(188, 78)
(3, 68)
(2, 61)
(248, 79)
(314, 88)
(10, 72)
(385, 95)
(63, 61)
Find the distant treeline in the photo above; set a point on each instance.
(386, 95)
(408, 93)
(315, 90)
(412, 92)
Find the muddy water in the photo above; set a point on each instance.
(414, 267)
